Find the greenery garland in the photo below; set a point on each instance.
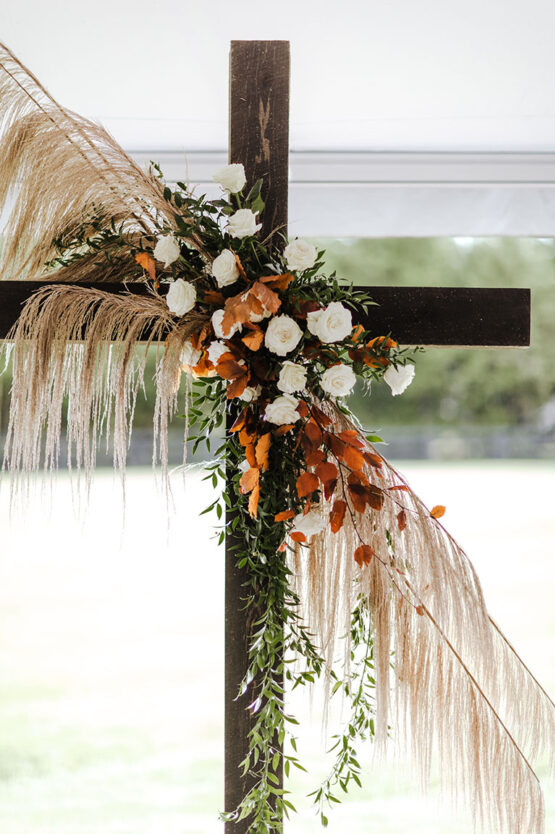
(275, 340)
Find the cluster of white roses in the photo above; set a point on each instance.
(330, 324)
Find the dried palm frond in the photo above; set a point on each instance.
(74, 350)
(59, 169)
(457, 689)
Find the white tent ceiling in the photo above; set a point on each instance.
(400, 75)
(450, 102)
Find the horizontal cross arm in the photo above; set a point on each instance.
(428, 316)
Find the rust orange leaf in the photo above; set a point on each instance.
(249, 480)
(363, 555)
(148, 263)
(278, 282)
(285, 515)
(307, 483)
(253, 340)
(253, 501)
(262, 451)
(266, 296)
(315, 457)
(298, 537)
(337, 515)
(402, 520)
(236, 388)
(353, 458)
(438, 511)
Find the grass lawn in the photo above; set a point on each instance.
(111, 654)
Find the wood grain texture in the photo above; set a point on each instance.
(259, 138)
(259, 124)
(428, 316)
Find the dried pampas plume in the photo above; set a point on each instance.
(74, 351)
(58, 169)
(457, 688)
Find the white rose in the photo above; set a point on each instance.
(217, 317)
(300, 255)
(292, 377)
(181, 297)
(339, 380)
(231, 177)
(167, 249)
(399, 378)
(215, 350)
(312, 523)
(225, 269)
(282, 335)
(244, 466)
(332, 324)
(282, 411)
(190, 356)
(250, 394)
(243, 223)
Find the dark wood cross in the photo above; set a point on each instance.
(428, 316)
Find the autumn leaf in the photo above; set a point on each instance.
(375, 497)
(302, 408)
(315, 457)
(229, 368)
(335, 444)
(213, 297)
(240, 266)
(239, 422)
(204, 367)
(438, 511)
(351, 438)
(283, 430)
(236, 388)
(253, 340)
(337, 515)
(267, 297)
(253, 501)
(262, 451)
(358, 496)
(249, 480)
(326, 472)
(381, 342)
(420, 610)
(313, 434)
(278, 282)
(250, 453)
(353, 458)
(321, 418)
(307, 483)
(285, 515)
(298, 537)
(402, 520)
(363, 555)
(357, 332)
(372, 459)
(148, 263)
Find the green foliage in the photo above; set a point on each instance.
(504, 387)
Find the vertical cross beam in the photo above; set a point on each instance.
(259, 138)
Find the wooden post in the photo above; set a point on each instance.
(259, 138)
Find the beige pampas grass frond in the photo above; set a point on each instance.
(74, 351)
(457, 689)
(59, 168)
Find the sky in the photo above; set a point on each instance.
(398, 75)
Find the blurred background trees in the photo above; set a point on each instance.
(463, 403)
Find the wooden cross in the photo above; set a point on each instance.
(430, 316)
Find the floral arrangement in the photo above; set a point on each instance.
(348, 571)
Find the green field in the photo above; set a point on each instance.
(111, 654)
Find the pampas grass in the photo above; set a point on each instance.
(456, 688)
